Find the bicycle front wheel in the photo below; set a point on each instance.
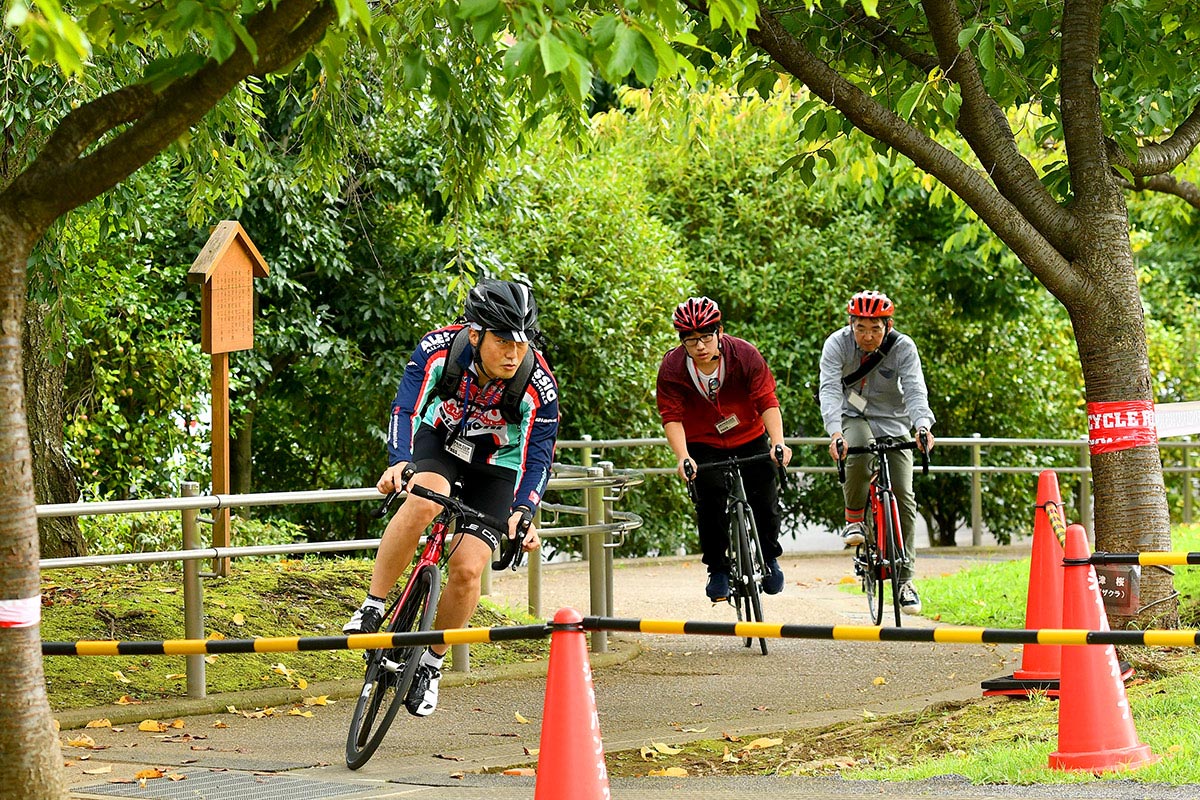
(750, 570)
(390, 672)
(894, 554)
(868, 559)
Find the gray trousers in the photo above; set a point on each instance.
(857, 432)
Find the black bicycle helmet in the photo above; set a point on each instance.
(503, 307)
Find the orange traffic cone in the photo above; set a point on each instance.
(1041, 664)
(1095, 727)
(571, 756)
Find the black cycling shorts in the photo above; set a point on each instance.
(485, 487)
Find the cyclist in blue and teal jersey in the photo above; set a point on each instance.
(476, 404)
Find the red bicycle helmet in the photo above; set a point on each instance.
(696, 314)
(871, 304)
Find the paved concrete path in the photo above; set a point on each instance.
(648, 689)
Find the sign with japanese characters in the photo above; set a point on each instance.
(226, 268)
(1120, 586)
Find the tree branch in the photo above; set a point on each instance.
(1167, 184)
(1162, 157)
(879, 122)
(985, 128)
(1092, 179)
(59, 180)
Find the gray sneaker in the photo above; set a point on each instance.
(909, 602)
(854, 534)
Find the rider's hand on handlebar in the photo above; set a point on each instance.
(787, 454)
(682, 468)
(924, 440)
(392, 479)
(531, 540)
(837, 447)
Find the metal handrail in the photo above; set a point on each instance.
(602, 522)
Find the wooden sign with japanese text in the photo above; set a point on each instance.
(226, 268)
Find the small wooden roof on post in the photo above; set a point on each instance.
(227, 267)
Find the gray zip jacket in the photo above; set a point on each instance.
(897, 400)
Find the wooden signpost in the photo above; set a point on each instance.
(226, 269)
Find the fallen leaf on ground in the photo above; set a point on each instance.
(317, 701)
(81, 741)
(669, 772)
(520, 719)
(880, 681)
(239, 619)
(98, 771)
(148, 773)
(763, 743)
(99, 723)
(296, 712)
(120, 676)
(666, 749)
(126, 700)
(152, 726)
(526, 771)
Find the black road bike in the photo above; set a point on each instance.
(747, 563)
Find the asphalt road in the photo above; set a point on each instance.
(649, 688)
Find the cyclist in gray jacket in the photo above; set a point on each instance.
(888, 398)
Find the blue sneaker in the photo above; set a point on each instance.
(718, 586)
(772, 582)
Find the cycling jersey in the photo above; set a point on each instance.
(895, 396)
(525, 447)
(746, 390)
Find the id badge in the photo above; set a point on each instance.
(460, 448)
(727, 424)
(857, 401)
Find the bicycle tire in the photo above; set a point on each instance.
(894, 554)
(383, 690)
(871, 565)
(751, 568)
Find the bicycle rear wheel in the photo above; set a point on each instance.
(390, 672)
(894, 554)
(751, 569)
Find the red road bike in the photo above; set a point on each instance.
(390, 671)
(879, 559)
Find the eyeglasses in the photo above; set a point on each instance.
(704, 338)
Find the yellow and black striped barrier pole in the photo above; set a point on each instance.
(748, 630)
(867, 633)
(291, 644)
(1158, 558)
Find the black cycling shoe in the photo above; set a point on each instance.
(365, 620)
(422, 696)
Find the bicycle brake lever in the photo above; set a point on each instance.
(780, 468)
(382, 510)
(511, 551)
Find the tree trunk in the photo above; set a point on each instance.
(1130, 499)
(30, 756)
(241, 462)
(53, 478)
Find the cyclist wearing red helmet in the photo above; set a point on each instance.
(887, 398)
(716, 398)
